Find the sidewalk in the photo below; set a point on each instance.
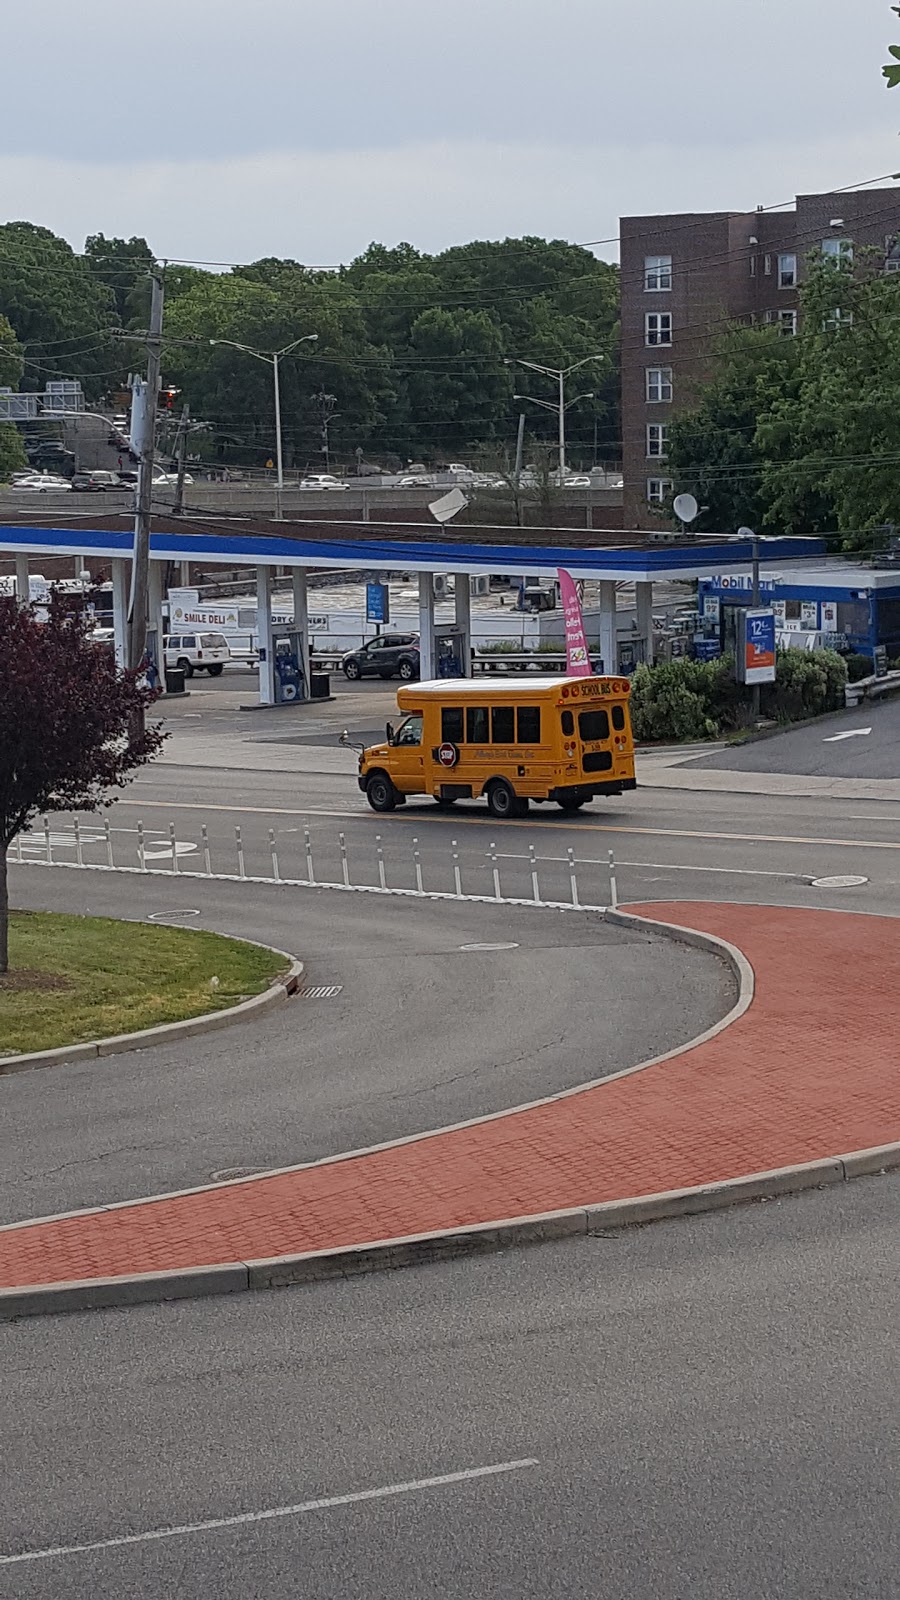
(809, 1071)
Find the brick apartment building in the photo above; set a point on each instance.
(686, 276)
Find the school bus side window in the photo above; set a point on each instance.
(568, 722)
(618, 718)
(529, 721)
(452, 724)
(593, 725)
(476, 725)
(503, 725)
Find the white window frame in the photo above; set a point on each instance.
(657, 441)
(658, 490)
(838, 249)
(767, 265)
(657, 274)
(656, 324)
(787, 274)
(787, 323)
(658, 380)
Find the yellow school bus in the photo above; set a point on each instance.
(537, 738)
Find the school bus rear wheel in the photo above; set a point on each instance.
(503, 801)
(380, 792)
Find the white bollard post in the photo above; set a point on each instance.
(47, 847)
(345, 865)
(174, 847)
(310, 876)
(418, 861)
(240, 852)
(110, 859)
(573, 880)
(142, 860)
(274, 854)
(613, 890)
(207, 864)
(79, 851)
(457, 881)
(382, 881)
(535, 891)
(495, 869)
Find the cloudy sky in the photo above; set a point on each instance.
(226, 130)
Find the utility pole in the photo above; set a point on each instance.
(754, 546)
(181, 452)
(140, 563)
(562, 429)
(279, 452)
(517, 474)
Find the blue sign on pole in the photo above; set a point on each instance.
(378, 604)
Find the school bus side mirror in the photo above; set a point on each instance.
(389, 732)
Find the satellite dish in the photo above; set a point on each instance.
(685, 507)
(448, 506)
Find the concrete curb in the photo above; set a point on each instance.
(166, 1032)
(418, 1249)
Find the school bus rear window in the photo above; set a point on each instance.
(618, 718)
(593, 725)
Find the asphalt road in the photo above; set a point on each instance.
(700, 1410)
(423, 1032)
(823, 748)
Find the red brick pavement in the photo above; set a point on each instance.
(810, 1070)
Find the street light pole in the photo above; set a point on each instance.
(562, 429)
(272, 359)
(560, 374)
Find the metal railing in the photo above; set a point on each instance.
(563, 882)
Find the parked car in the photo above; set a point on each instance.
(418, 480)
(170, 478)
(322, 480)
(42, 483)
(96, 482)
(197, 652)
(578, 480)
(388, 656)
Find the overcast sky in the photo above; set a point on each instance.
(226, 130)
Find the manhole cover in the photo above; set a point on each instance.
(166, 916)
(489, 947)
(231, 1174)
(848, 882)
(322, 991)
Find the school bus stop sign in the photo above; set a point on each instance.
(448, 755)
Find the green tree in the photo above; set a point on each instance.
(12, 356)
(892, 70)
(835, 441)
(60, 313)
(12, 450)
(715, 450)
(123, 267)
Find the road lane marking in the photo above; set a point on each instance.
(460, 819)
(851, 733)
(270, 1514)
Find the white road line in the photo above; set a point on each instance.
(271, 1514)
(462, 820)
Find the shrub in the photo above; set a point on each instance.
(859, 666)
(687, 699)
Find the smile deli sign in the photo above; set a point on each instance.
(205, 616)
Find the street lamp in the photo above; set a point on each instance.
(560, 374)
(272, 358)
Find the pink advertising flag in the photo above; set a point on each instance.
(578, 661)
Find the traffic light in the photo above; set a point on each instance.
(167, 398)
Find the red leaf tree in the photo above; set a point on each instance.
(71, 725)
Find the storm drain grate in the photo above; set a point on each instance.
(322, 991)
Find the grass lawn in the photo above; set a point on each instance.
(77, 978)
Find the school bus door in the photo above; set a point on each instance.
(407, 753)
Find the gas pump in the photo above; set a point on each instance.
(449, 649)
(290, 683)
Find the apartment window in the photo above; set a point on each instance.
(837, 320)
(767, 266)
(658, 326)
(658, 439)
(658, 490)
(838, 249)
(787, 323)
(659, 385)
(657, 274)
(892, 264)
(787, 272)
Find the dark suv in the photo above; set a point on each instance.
(385, 657)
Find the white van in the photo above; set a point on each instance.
(197, 652)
